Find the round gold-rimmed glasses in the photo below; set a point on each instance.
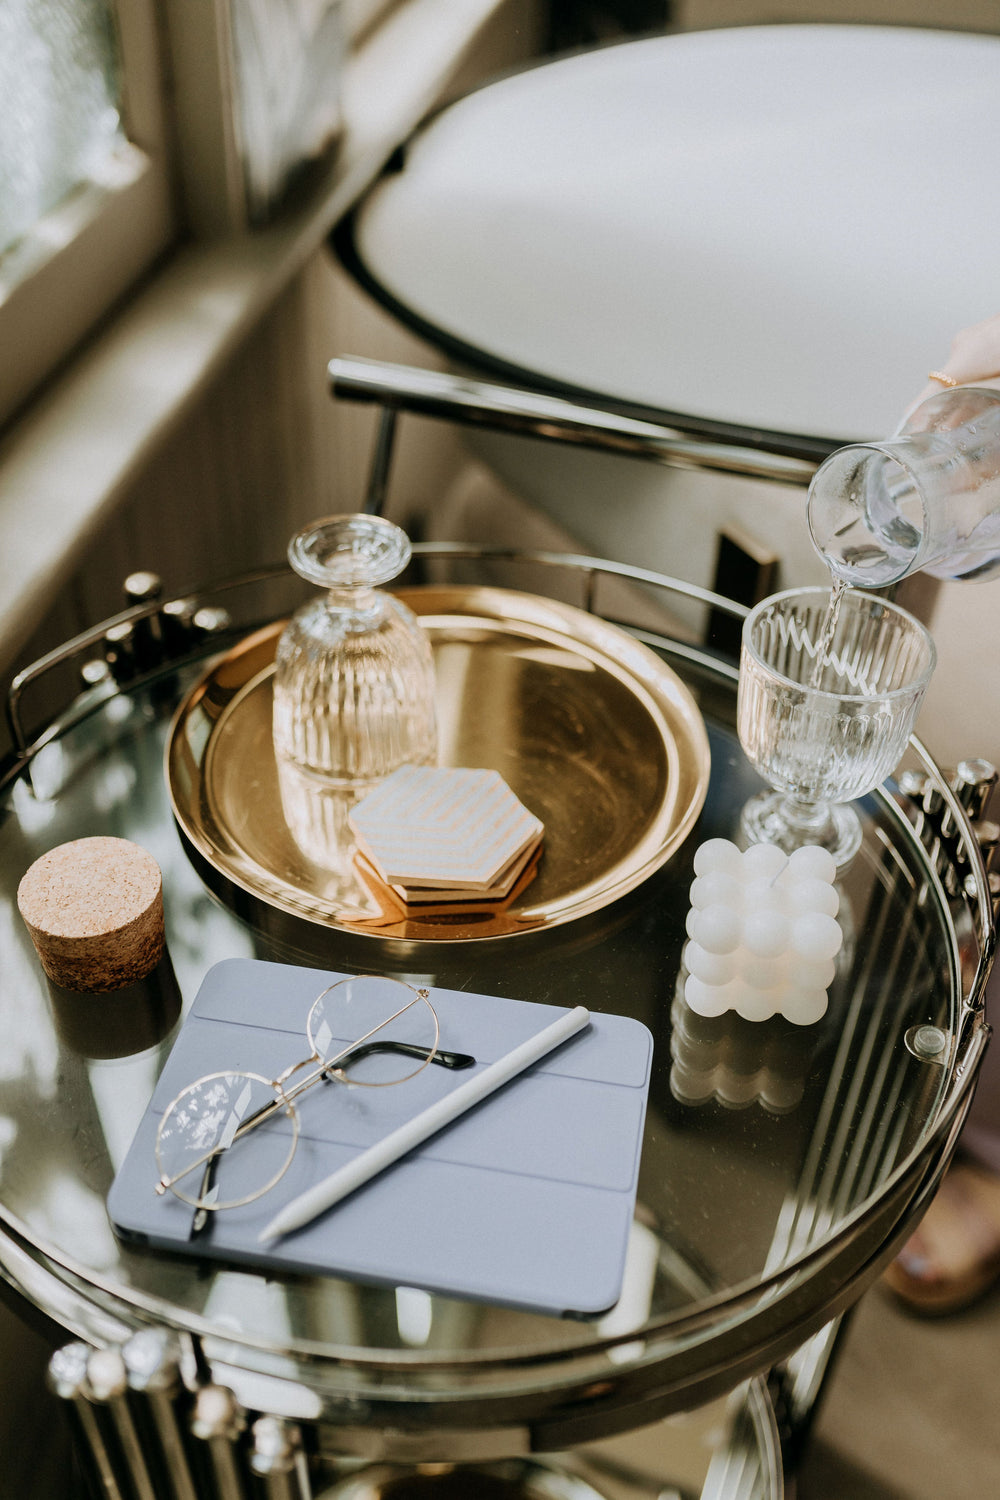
(367, 1030)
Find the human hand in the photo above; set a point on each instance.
(974, 359)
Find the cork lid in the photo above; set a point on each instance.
(94, 909)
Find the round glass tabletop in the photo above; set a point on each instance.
(780, 1164)
(736, 232)
(741, 226)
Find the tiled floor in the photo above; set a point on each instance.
(911, 1410)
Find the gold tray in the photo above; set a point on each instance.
(594, 733)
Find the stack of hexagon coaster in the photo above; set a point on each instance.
(441, 837)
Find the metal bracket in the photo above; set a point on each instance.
(478, 403)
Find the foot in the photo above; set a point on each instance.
(953, 1258)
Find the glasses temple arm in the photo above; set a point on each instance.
(454, 1061)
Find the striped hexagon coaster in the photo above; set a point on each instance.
(442, 828)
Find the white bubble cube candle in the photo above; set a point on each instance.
(763, 932)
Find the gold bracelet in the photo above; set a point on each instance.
(944, 379)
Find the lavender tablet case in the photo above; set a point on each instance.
(526, 1201)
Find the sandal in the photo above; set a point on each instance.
(953, 1258)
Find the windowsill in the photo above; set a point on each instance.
(65, 464)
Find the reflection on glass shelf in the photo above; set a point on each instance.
(317, 815)
(316, 818)
(736, 1062)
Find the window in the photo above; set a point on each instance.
(61, 126)
(84, 201)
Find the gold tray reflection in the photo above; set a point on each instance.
(594, 733)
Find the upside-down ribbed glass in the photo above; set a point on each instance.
(354, 677)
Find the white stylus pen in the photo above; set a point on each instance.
(310, 1204)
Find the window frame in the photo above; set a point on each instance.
(82, 257)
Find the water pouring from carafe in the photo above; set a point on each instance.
(831, 681)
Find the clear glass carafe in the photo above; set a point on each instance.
(925, 500)
(354, 676)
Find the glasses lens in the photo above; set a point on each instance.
(226, 1140)
(374, 1030)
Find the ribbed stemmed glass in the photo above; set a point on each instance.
(829, 689)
